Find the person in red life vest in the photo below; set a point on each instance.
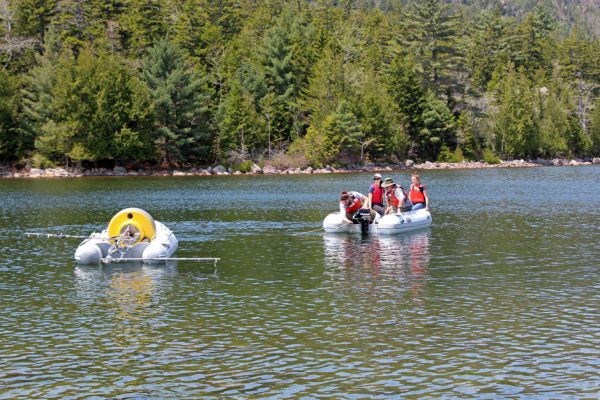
(376, 193)
(351, 202)
(418, 193)
(396, 198)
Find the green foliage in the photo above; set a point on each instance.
(437, 125)
(33, 17)
(595, 130)
(324, 82)
(13, 145)
(98, 111)
(486, 46)
(490, 157)
(41, 161)
(244, 166)
(239, 124)
(142, 25)
(406, 91)
(531, 42)
(465, 137)
(432, 29)
(449, 156)
(516, 129)
(181, 100)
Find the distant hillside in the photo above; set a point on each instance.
(582, 13)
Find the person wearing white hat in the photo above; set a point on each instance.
(376, 193)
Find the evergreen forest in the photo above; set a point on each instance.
(296, 82)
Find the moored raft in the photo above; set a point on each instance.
(132, 234)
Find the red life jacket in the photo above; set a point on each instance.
(377, 195)
(392, 199)
(354, 206)
(416, 194)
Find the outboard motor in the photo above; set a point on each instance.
(363, 217)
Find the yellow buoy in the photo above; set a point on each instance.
(133, 224)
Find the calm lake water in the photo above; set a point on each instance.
(498, 299)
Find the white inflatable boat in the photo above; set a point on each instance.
(387, 225)
(132, 235)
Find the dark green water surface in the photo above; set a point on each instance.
(498, 299)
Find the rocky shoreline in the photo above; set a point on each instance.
(8, 172)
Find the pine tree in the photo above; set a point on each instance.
(33, 17)
(486, 46)
(438, 126)
(383, 137)
(240, 130)
(192, 31)
(530, 43)
(13, 145)
(37, 93)
(142, 25)
(280, 76)
(182, 104)
(405, 89)
(342, 137)
(516, 128)
(432, 31)
(100, 112)
(595, 129)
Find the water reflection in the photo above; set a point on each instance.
(403, 258)
(130, 295)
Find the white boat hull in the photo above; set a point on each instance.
(98, 248)
(393, 224)
(390, 224)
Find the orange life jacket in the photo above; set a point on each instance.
(416, 194)
(354, 206)
(393, 200)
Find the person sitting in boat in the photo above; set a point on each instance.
(376, 195)
(350, 202)
(396, 197)
(418, 193)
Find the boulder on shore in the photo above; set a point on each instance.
(218, 170)
(269, 169)
(256, 169)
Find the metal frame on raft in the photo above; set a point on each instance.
(109, 260)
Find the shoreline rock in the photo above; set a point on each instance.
(219, 170)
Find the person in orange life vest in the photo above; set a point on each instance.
(376, 195)
(350, 202)
(396, 198)
(418, 193)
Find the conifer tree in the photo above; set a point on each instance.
(531, 40)
(99, 112)
(34, 16)
(182, 105)
(516, 128)
(13, 145)
(437, 126)
(142, 25)
(37, 93)
(240, 129)
(280, 76)
(595, 130)
(431, 34)
(487, 45)
(405, 89)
